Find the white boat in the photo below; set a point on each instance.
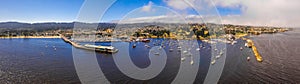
(248, 58)
(189, 54)
(198, 49)
(205, 40)
(160, 48)
(221, 52)
(213, 62)
(183, 59)
(185, 52)
(233, 42)
(192, 62)
(147, 46)
(218, 56)
(134, 45)
(156, 53)
(171, 50)
(179, 47)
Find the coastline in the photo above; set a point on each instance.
(17, 37)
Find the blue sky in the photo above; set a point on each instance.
(32, 11)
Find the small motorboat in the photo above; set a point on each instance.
(134, 46)
(213, 62)
(192, 62)
(185, 52)
(183, 59)
(189, 54)
(145, 40)
(170, 50)
(157, 53)
(218, 56)
(160, 48)
(233, 42)
(221, 53)
(248, 58)
(198, 49)
(147, 46)
(179, 47)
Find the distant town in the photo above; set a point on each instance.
(105, 31)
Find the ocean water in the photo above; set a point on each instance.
(51, 61)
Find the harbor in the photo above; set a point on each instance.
(44, 60)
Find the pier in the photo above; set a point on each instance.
(250, 44)
(106, 49)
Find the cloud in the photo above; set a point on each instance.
(172, 19)
(284, 13)
(179, 4)
(148, 7)
(264, 12)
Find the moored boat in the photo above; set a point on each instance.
(134, 45)
(145, 40)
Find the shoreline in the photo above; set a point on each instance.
(19, 37)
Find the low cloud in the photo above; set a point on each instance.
(173, 19)
(253, 12)
(148, 7)
(178, 4)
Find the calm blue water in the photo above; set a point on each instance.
(50, 61)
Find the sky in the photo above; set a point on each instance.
(284, 13)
